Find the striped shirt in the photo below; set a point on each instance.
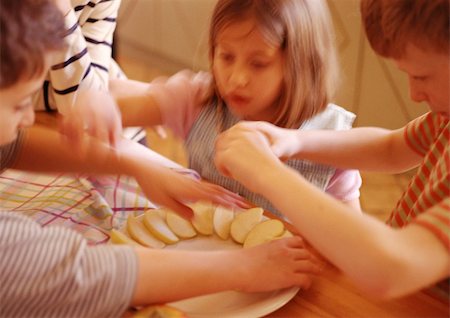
(52, 272)
(426, 201)
(87, 60)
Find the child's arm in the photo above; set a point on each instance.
(384, 261)
(181, 274)
(137, 105)
(44, 151)
(173, 102)
(86, 61)
(371, 149)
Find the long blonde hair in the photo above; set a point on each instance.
(303, 30)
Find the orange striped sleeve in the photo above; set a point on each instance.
(437, 220)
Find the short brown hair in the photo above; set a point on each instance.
(29, 29)
(303, 30)
(391, 25)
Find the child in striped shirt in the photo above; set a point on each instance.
(52, 271)
(412, 251)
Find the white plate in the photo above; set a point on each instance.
(229, 304)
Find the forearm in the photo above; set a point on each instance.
(380, 260)
(136, 104)
(370, 149)
(44, 150)
(181, 274)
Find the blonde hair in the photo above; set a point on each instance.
(391, 25)
(303, 30)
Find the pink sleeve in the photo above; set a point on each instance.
(179, 98)
(344, 185)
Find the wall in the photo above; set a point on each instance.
(171, 35)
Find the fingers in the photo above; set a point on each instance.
(181, 209)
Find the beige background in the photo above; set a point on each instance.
(171, 35)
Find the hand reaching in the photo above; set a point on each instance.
(284, 143)
(94, 113)
(174, 190)
(244, 154)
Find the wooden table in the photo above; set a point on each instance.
(333, 295)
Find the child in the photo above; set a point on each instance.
(412, 251)
(52, 271)
(272, 60)
(85, 63)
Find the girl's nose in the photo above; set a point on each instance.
(239, 78)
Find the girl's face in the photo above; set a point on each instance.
(248, 71)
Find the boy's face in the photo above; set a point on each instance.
(428, 74)
(16, 109)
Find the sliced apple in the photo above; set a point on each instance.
(203, 217)
(118, 237)
(285, 234)
(264, 232)
(159, 311)
(181, 227)
(243, 223)
(222, 222)
(156, 225)
(139, 233)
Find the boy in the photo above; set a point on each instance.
(52, 271)
(413, 251)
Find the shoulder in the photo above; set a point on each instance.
(426, 130)
(332, 117)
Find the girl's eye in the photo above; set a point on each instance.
(258, 64)
(226, 57)
(419, 78)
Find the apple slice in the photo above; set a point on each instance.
(181, 227)
(140, 234)
(285, 234)
(156, 225)
(264, 232)
(118, 237)
(243, 223)
(222, 222)
(159, 311)
(203, 217)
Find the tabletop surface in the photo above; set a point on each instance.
(333, 295)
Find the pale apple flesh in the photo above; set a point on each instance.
(264, 232)
(243, 223)
(159, 311)
(118, 237)
(181, 227)
(157, 226)
(139, 233)
(203, 217)
(222, 220)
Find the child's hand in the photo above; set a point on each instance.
(278, 264)
(94, 113)
(172, 189)
(284, 143)
(245, 155)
